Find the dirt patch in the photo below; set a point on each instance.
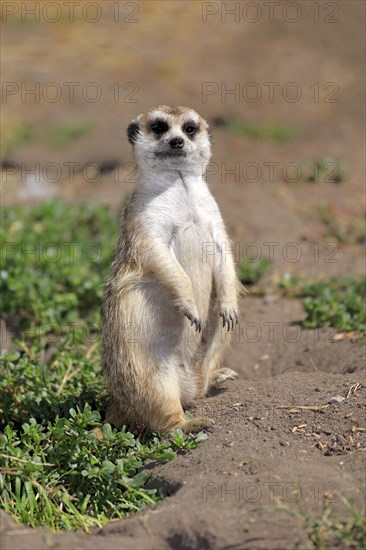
(270, 340)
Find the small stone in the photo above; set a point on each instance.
(270, 299)
(284, 443)
(336, 399)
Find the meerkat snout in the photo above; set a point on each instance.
(176, 143)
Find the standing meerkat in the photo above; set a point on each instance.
(171, 299)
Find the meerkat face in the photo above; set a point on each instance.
(170, 138)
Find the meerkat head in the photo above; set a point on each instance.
(170, 138)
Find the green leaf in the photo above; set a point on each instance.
(108, 467)
(140, 479)
(31, 498)
(107, 431)
(201, 436)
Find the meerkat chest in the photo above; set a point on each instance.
(191, 214)
(185, 215)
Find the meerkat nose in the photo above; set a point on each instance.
(176, 143)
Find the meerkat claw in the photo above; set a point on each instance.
(194, 321)
(228, 320)
(197, 325)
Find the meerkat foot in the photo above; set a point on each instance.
(195, 425)
(113, 417)
(220, 375)
(98, 433)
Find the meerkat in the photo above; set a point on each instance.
(171, 300)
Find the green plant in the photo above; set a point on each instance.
(53, 470)
(250, 271)
(32, 388)
(57, 473)
(329, 531)
(338, 303)
(61, 135)
(290, 285)
(15, 134)
(180, 441)
(272, 131)
(339, 226)
(54, 258)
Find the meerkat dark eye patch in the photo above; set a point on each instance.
(159, 127)
(190, 129)
(132, 132)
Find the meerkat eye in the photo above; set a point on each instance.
(190, 129)
(159, 127)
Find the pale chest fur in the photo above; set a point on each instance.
(181, 210)
(184, 217)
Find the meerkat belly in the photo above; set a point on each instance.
(192, 246)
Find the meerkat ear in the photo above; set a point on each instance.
(132, 132)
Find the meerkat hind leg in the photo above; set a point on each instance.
(215, 374)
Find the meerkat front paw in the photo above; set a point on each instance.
(229, 316)
(191, 312)
(194, 321)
